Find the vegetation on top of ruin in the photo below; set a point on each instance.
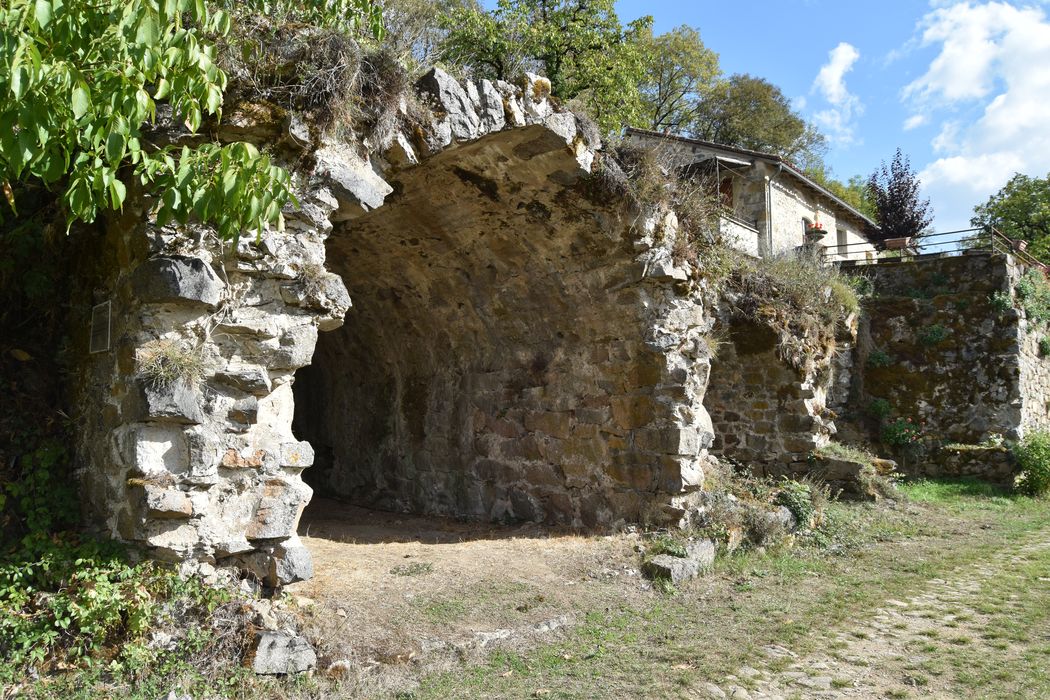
(805, 302)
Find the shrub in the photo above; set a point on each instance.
(1001, 302)
(902, 432)
(862, 285)
(836, 450)
(880, 409)
(879, 358)
(665, 544)
(1034, 295)
(797, 497)
(933, 335)
(1033, 464)
(1044, 346)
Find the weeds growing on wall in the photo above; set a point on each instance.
(165, 363)
(805, 302)
(879, 358)
(1001, 302)
(656, 182)
(879, 409)
(933, 335)
(1033, 292)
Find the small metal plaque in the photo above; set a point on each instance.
(100, 327)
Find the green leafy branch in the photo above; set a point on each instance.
(80, 83)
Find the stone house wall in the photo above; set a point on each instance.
(791, 204)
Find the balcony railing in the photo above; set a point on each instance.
(969, 241)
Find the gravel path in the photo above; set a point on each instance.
(872, 657)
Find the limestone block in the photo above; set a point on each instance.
(151, 449)
(245, 411)
(175, 279)
(178, 402)
(281, 503)
(297, 455)
(491, 110)
(535, 91)
(251, 379)
(172, 539)
(678, 570)
(353, 182)
(167, 502)
(296, 348)
(450, 98)
(401, 154)
(512, 109)
(292, 562)
(281, 653)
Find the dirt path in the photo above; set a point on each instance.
(890, 654)
(393, 589)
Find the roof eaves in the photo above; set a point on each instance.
(769, 157)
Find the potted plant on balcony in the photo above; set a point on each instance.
(815, 232)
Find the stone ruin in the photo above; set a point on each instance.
(462, 320)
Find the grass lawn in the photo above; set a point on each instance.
(795, 598)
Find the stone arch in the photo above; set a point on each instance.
(523, 346)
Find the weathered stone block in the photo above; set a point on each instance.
(167, 502)
(177, 279)
(280, 506)
(251, 379)
(450, 97)
(150, 449)
(297, 455)
(178, 402)
(280, 653)
(557, 425)
(630, 412)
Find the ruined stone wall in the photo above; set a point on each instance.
(501, 360)
(767, 414)
(521, 344)
(938, 348)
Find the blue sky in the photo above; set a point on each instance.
(962, 86)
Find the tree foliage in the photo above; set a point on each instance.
(680, 73)
(899, 210)
(579, 45)
(752, 113)
(1021, 211)
(413, 31)
(81, 83)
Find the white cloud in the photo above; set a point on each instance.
(993, 59)
(915, 121)
(830, 83)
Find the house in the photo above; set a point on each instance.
(768, 205)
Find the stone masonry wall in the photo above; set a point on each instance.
(501, 360)
(525, 346)
(936, 346)
(766, 414)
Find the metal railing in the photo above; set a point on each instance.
(971, 241)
